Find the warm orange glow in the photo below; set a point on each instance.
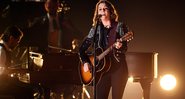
(168, 82)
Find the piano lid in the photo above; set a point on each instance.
(142, 64)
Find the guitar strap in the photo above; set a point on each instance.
(112, 34)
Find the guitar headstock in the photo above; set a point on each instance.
(128, 36)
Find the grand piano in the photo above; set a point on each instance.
(58, 68)
(62, 68)
(143, 68)
(58, 73)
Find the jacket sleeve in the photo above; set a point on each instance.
(87, 42)
(122, 29)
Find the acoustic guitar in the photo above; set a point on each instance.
(103, 63)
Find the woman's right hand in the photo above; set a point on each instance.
(86, 67)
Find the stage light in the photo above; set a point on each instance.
(131, 79)
(168, 82)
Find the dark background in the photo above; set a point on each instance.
(158, 25)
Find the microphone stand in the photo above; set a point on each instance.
(94, 67)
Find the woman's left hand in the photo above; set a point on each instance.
(118, 44)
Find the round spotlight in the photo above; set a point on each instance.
(168, 82)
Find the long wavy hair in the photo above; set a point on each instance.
(113, 13)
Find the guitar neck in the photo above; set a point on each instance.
(123, 38)
(102, 55)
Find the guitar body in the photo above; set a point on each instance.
(101, 67)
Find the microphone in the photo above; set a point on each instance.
(99, 16)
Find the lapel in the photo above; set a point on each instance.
(112, 34)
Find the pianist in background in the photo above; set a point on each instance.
(11, 86)
(108, 30)
(8, 42)
(53, 32)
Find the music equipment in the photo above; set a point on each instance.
(58, 68)
(102, 63)
(58, 74)
(142, 65)
(143, 68)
